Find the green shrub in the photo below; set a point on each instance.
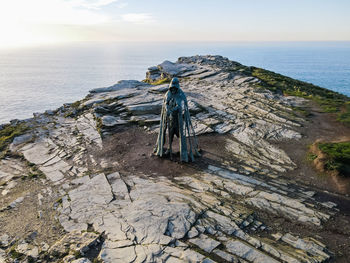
(9, 132)
(338, 155)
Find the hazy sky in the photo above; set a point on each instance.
(27, 22)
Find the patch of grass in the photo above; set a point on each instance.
(76, 104)
(59, 201)
(158, 82)
(338, 156)
(11, 154)
(328, 100)
(77, 254)
(90, 231)
(344, 115)
(9, 132)
(14, 254)
(304, 112)
(87, 173)
(35, 173)
(99, 125)
(69, 114)
(311, 156)
(109, 101)
(30, 164)
(75, 109)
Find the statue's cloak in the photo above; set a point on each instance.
(187, 138)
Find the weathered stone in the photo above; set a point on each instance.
(173, 69)
(223, 223)
(307, 245)
(38, 153)
(123, 84)
(55, 172)
(119, 188)
(28, 250)
(114, 255)
(204, 242)
(113, 225)
(68, 259)
(86, 124)
(81, 260)
(208, 260)
(147, 119)
(16, 202)
(111, 121)
(277, 203)
(4, 240)
(44, 246)
(192, 233)
(22, 139)
(249, 253)
(226, 256)
(159, 88)
(74, 241)
(145, 108)
(175, 222)
(201, 128)
(192, 256)
(96, 192)
(2, 256)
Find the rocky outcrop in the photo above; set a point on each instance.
(206, 216)
(222, 100)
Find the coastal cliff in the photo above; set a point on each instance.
(80, 183)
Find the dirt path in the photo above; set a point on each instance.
(130, 150)
(319, 127)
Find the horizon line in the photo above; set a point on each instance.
(36, 45)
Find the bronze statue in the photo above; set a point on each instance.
(175, 117)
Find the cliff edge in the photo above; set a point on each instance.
(79, 184)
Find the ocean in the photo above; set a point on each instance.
(41, 78)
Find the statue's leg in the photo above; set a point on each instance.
(165, 128)
(171, 138)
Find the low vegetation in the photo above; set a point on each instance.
(34, 173)
(337, 156)
(76, 105)
(344, 115)
(158, 82)
(15, 254)
(8, 133)
(311, 156)
(328, 100)
(99, 124)
(75, 109)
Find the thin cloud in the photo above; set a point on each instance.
(91, 4)
(122, 5)
(138, 18)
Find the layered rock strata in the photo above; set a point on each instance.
(207, 216)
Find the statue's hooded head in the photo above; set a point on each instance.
(174, 85)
